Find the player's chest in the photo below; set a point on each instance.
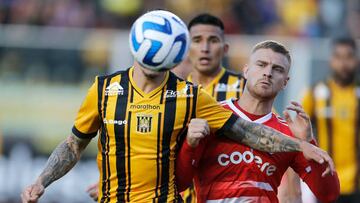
(148, 117)
(341, 106)
(227, 154)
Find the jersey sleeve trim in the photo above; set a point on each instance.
(81, 135)
(228, 124)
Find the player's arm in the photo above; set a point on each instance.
(326, 188)
(190, 152)
(66, 154)
(61, 160)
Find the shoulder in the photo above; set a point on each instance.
(320, 90)
(181, 83)
(109, 76)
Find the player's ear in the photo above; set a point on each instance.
(245, 70)
(286, 82)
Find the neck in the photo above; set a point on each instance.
(147, 80)
(253, 105)
(204, 79)
(344, 82)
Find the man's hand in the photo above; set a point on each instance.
(312, 152)
(93, 191)
(61, 160)
(198, 129)
(300, 126)
(32, 193)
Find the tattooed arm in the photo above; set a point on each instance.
(263, 138)
(62, 159)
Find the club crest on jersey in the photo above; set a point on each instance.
(143, 123)
(114, 89)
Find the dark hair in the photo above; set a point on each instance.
(345, 41)
(273, 45)
(206, 19)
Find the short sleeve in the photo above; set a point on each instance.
(87, 121)
(217, 117)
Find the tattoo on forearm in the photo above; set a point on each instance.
(62, 159)
(261, 137)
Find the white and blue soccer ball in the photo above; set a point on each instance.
(159, 40)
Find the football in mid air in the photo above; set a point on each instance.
(159, 40)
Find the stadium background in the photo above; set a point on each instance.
(50, 52)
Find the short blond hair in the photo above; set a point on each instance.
(273, 45)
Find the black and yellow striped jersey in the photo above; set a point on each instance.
(335, 113)
(139, 133)
(225, 85)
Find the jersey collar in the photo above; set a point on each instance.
(264, 119)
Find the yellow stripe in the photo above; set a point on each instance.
(231, 81)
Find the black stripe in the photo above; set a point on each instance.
(128, 157)
(120, 115)
(100, 94)
(131, 94)
(357, 139)
(105, 149)
(221, 96)
(227, 125)
(195, 93)
(158, 157)
(168, 127)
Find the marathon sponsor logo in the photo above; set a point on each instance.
(247, 157)
(115, 122)
(145, 106)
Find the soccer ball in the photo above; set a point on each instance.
(159, 40)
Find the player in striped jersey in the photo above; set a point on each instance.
(334, 106)
(207, 49)
(140, 116)
(226, 171)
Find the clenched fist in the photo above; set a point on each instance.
(197, 130)
(32, 193)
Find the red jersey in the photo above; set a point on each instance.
(226, 171)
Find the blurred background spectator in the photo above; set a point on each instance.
(51, 50)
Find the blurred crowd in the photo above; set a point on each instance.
(89, 54)
(281, 17)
